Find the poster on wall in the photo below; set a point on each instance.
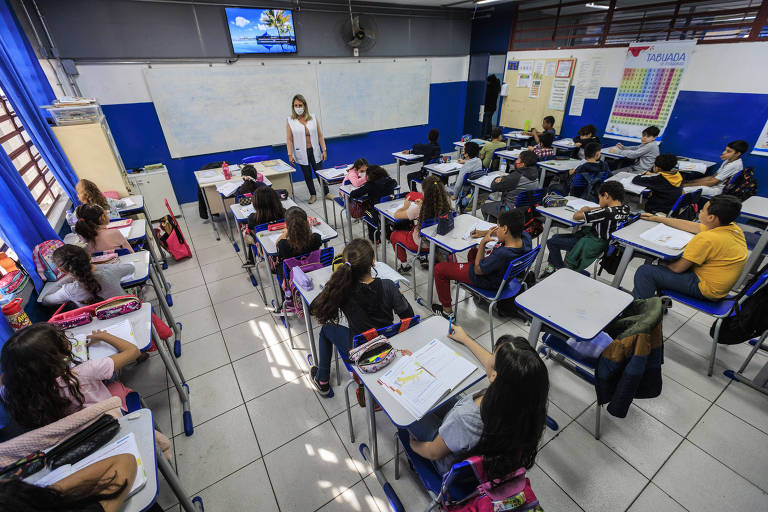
(525, 70)
(535, 90)
(761, 146)
(550, 69)
(648, 88)
(564, 68)
(558, 94)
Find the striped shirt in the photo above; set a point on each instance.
(606, 220)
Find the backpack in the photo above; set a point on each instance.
(42, 255)
(171, 237)
(750, 319)
(743, 185)
(307, 263)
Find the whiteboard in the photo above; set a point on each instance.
(360, 97)
(209, 109)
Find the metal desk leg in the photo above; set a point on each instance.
(474, 198)
(154, 236)
(534, 331)
(347, 200)
(325, 206)
(372, 440)
(542, 176)
(398, 170)
(168, 316)
(310, 333)
(194, 505)
(544, 237)
(166, 287)
(178, 382)
(382, 233)
(754, 257)
(431, 278)
(226, 219)
(256, 259)
(625, 259)
(210, 213)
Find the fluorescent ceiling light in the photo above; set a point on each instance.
(481, 2)
(593, 5)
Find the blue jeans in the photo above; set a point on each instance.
(426, 429)
(331, 335)
(650, 279)
(560, 242)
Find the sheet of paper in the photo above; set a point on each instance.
(101, 349)
(535, 88)
(128, 202)
(446, 167)
(410, 156)
(414, 386)
(282, 167)
(564, 68)
(691, 166)
(577, 203)
(558, 93)
(229, 187)
(208, 174)
(667, 236)
(566, 142)
(384, 271)
(444, 362)
(549, 70)
(126, 231)
(594, 78)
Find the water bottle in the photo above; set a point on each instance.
(225, 169)
(71, 218)
(15, 314)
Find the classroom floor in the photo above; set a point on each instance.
(264, 441)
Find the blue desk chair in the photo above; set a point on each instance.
(418, 181)
(465, 200)
(512, 284)
(720, 309)
(254, 158)
(530, 198)
(580, 183)
(372, 219)
(417, 253)
(687, 206)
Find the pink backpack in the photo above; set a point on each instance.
(514, 494)
(307, 263)
(171, 237)
(42, 255)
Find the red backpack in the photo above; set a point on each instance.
(171, 237)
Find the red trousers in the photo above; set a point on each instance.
(446, 272)
(403, 237)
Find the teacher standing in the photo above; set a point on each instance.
(306, 145)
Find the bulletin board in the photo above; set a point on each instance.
(518, 106)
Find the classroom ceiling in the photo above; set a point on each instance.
(441, 3)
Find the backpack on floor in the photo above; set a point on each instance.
(42, 255)
(743, 185)
(750, 319)
(171, 237)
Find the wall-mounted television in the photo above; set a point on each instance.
(261, 30)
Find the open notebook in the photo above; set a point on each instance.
(667, 236)
(101, 349)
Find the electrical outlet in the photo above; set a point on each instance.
(356, 52)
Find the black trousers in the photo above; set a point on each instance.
(306, 170)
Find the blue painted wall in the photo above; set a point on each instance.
(139, 138)
(702, 123)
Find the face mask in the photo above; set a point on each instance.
(299, 111)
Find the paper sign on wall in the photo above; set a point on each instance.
(564, 68)
(524, 73)
(577, 104)
(558, 94)
(535, 90)
(513, 65)
(538, 69)
(549, 70)
(761, 146)
(594, 78)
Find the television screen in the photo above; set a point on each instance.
(261, 30)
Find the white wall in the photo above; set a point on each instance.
(124, 83)
(727, 67)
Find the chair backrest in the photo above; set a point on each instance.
(435, 160)
(240, 196)
(544, 158)
(578, 179)
(519, 265)
(685, 201)
(388, 331)
(255, 158)
(325, 258)
(529, 198)
(758, 282)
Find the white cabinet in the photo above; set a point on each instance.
(155, 186)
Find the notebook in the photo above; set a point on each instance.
(101, 349)
(667, 236)
(228, 188)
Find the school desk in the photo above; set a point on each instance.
(755, 208)
(562, 215)
(459, 145)
(138, 206)
(556, 167)
(630, 238)
(606, 152)
(506, 156)
(453, 242)
(573, 304)
(413, 339)
(517, 136)
(625, 178)
(230, 199)
(564, 144)
(140, 320)
(138, 235)
(387, 213)
(406, 159)
(332, 176)
(444, 170)
(483, 183)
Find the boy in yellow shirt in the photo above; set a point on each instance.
(711, 262)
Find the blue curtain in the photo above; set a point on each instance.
(22, 223)
(27, 88)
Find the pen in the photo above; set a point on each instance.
(450, 321)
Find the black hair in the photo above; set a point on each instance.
(591, 149)
(528, 158)
(514, 221)
(267, 206)
(546, 140)
(587, 129)
(19, 495)
(436, 201)
(550, 120)
(652, 131)
(76, 261)
(433, 135)
(376, 172)
(496, 132)
(89, 219)
(472, 149)
(666, 162)
(613, 188)
(358, 259)
(511, 434)
(740, 146)
(249, 171)
(360, 162)
(298, 232)
(250, 186)
(725, 207)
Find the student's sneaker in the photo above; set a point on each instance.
(548, 271)
(424, 261)
(403, 268)
(666, 304)
(438, 310)
(323, 389)
(329, 196)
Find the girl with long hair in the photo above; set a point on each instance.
(88, 193)
(83, 282)
(377, 185)
(91, 226)
(267, 207)
(503, 423)
(249, 174)
(367, 302)
(434, 203)
(356, 174)
(298, 238)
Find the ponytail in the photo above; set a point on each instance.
(88, 221)
(358, 260)
(74, 260)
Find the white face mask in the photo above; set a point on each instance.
(299, 111)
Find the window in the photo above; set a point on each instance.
(546, 24)
(27, 160)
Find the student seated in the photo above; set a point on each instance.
(544, 147)
(89, 193)
(367, 302)
(590, 170)
(503, 423)
(644, 155)
(587, 134)
(548, 126)
(267, 207)
(434, 204)
(713, 185)
(483, 271)
(84, 283)
(356, 174)
(297, 238)
(377, 185)
(486, 152)
(664, 182)
(469, 163)
(91, 226)
(589, 242)
(430, 150)
(250, 181)
(712, 261)
(524, 176)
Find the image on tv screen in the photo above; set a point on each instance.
(261, 30)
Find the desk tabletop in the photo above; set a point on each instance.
(455, 241)
(333, 174)
(137, 230)
(564, 144)
(268, 239)
(138, 204)
(574, 304)
(509, 154)
(407, 157)
(562, 214)
(211, 177)
(460, 143)
(389, 208)
(630, 235)
(560, 165)
(434, 327)
(756, 207)
(321, 276)
(484, 182)
(625, 178)
(241, 213)
(140, 320)
(444, 169)
(517, 135)
(347, 189)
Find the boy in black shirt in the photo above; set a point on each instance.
(430, 150)
(587, 244)
(665, 184)
(587, 134)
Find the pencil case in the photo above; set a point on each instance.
(553, 200)
(362, 354)
(277, 226)
(117, 306)
(107, 257)
(110, 308)
(122, 223)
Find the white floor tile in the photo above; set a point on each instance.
(248, 488)
(223, 267)
(240, 309)
(160, 405)
(556, 414)
(385, 434)
(677, 407)
(570, 393)
(197, 324)
(230, 287)
(210, 395)
(690, 370)
(356, 499)
(174, 267)
(190, 300)
(699, 482)
(550, 495)
(653, 499)
(326, 470)
(252, 336)
(214, 253)
(408, 487)
(746, 403)
(264, 371)
(185, 279)
(694, 335)
(148, 378)
(203, 355)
